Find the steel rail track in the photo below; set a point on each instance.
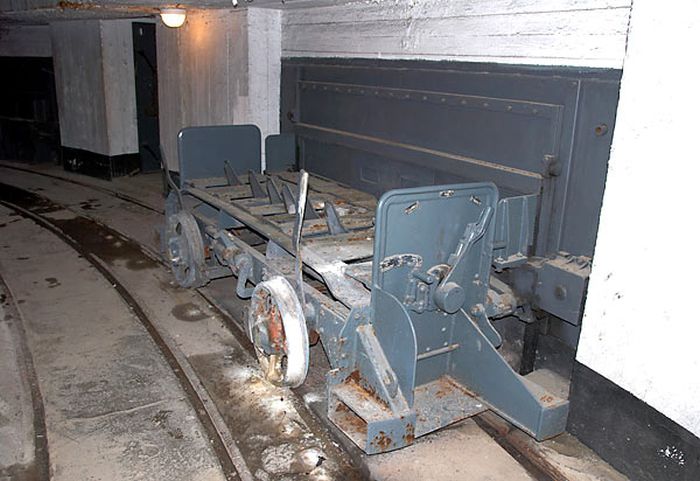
(104, 190)
(538, 468)
(230, 459)
(42, 463)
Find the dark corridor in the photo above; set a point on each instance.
(146, 78)
(28, 113)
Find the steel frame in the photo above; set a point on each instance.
(380, 394)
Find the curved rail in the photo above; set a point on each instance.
(220, 439)
(41, 468)
(540, 469)
(104, 190)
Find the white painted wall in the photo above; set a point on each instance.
(640, 328)
(25, 41)
(94, 68)
(545, 32)
(222, 67)
(265, 69)
(169, 95)
(79, 88)
(119, 86)
(641, 325)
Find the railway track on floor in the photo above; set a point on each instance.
(40, 209)
(218, 435)
(104, 190)
(40, 469)
(501, 432)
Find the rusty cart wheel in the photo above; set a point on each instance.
(277, 328)
(185, 250)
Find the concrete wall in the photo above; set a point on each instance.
(25, 41)
(264, 69)
(119, 86)
(641, 327)
(79, 87)
(222, 67)
(94, 68)
(546, 32)
(640, 330)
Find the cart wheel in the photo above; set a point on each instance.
(185, 250)
(277, 328)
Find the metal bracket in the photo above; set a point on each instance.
(230, 174)
(255, 187)
(273, 192)
(515, 230)
(333, 219)
(556, 284)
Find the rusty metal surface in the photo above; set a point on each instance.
(443, 402)
(403, 359)
(323, 253)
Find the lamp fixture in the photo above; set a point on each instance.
(173, 17)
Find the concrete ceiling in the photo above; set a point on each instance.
(45, 11)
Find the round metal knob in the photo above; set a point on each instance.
(450, 297)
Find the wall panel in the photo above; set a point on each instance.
(222, 67)
(25, 41)
(94, 66)
(120, 86)
(379, 125)
(79, 85)
(544, 32)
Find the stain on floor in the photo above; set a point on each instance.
(189, 312)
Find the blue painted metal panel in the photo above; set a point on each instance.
(280, 152)
(382, 124)
(202, 151)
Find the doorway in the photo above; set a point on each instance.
(28, 113)
(146, 78)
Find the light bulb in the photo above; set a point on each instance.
(173, 17)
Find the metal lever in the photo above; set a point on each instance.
(290, 201)
(449, 295)
(296, 238)
(472, 233)
(173, 186)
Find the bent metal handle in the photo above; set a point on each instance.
(298, 225)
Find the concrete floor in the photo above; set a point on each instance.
(109, 397)
(114, 409)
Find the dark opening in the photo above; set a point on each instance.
(28, 111)
(146, 78)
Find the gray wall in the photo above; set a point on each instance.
(541, 32)
(222, 67)
(93, 62)
(119, 86)
(384, 124)
(25, 41)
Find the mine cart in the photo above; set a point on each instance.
(400, 291)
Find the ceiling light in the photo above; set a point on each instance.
(173, 17)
